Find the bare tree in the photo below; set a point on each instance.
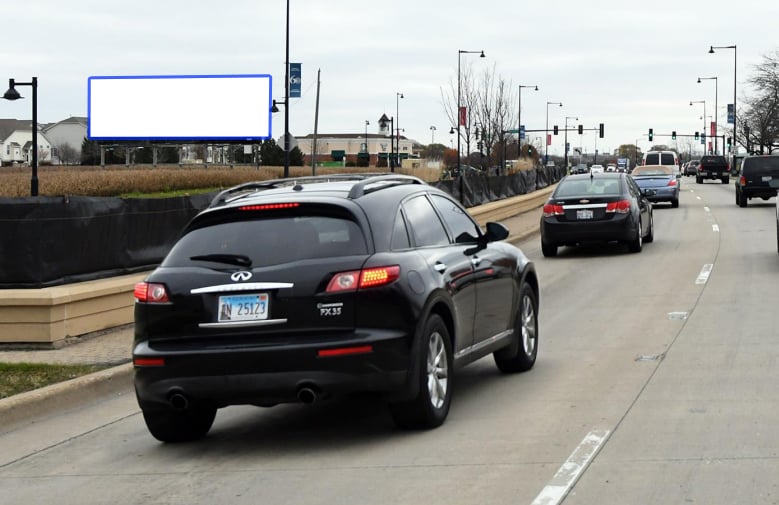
(67, 154)
(468, 99)
(759, 123)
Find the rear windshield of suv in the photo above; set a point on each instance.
(269, 241)
(761, 163)
(714, 160)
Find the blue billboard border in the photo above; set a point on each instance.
(180, 139)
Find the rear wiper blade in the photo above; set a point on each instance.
(230, 259)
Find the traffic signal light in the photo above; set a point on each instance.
(581, 129)
(673, 135)
(651, 135)
(697, 136)
(555, 129)
(730, 143)
(600, 132)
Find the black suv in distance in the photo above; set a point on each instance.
(296, 290)
(754, 181)
(713, 167)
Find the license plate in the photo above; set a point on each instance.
(584, 214)
(243, 307)
(766, 178)
(703, 172)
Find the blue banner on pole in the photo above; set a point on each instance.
(521, 132)
(730, 113)
(295, 78)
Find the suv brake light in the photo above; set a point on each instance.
(270, 206)
(150, 292)
(365, 278)
(620, 206)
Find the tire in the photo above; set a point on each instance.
(741, 199)
(434, 380)
(698, 180)
(726, 180)
(650, 236)
(635, 245)
(675, 203)
(520, 355)
(168, 425)
(549, 250)
(777, 236)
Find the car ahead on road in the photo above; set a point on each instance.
(713, 167)
(662, 179)
(692, 167)
(604, 207)
(581, 168)
(755, 178)
(299, 290)
(611, 168)
(597, 169)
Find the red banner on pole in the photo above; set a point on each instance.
(463, 122)
(713, 129)
(548, 139)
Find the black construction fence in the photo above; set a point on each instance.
(51, 241)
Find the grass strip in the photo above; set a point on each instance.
(18, 378)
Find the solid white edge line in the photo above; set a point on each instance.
(562, 482)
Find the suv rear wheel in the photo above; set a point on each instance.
(520, 355)
(741, 199)
(434, 381)
(170, 425)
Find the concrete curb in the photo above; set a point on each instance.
(23, 408)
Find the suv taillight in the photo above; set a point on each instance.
(150, 292)
(365, 278)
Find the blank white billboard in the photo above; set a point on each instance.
(179, 107)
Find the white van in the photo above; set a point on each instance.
(669, 158)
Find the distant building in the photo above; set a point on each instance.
(349, 146)
(66, 138)
(16, 143)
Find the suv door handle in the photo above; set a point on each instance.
(440, 267)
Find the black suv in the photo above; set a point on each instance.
(755, 178)
(713, 167)
(298, 290)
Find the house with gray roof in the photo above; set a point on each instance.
(16, 143)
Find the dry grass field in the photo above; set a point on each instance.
(141, 180)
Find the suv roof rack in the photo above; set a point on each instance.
(359, 189)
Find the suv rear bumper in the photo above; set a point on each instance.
(268, 375)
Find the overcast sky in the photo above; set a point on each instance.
(630, 65)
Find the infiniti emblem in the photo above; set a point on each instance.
(241, 275)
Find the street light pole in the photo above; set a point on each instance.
(367, 151)
(460, 52)
(432, 135)
(546, 131)
(716, 112)
(566, 140)
(12, 94)
(735, 69)
(704, 120)
(519, 114)
(286, 101)
(398, 96)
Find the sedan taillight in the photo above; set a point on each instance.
(551, 209)
(672, 182)
(620, 207)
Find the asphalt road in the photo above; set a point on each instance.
(655, 384)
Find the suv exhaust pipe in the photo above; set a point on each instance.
(178, 401)
(307, 395)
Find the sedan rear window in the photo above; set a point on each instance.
(587, 187)
(269, 241)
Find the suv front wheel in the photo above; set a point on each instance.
(434, 380)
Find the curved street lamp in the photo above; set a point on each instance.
(566, 140)
(716, 111)
(519, 110)
(546, 131)
(704, 119)
(13, 94)
(460, 117)
(735, 69)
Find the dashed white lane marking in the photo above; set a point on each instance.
(707, 209)
(572, 469)
(699, 198)
(715, 228)
(703, 277)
